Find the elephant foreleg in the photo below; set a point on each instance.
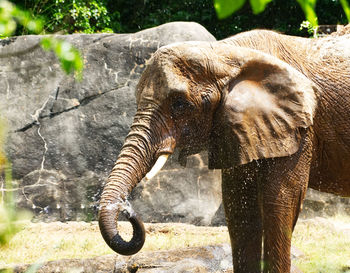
(284, 183)
(243, 217)
(278, 228)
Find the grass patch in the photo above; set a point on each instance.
(324, 242)
(54, 241)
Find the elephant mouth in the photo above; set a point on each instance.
(188, 151)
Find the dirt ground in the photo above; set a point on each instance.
(319, 245)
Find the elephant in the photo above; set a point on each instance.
(271, 110)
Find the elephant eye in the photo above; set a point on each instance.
(180, 106)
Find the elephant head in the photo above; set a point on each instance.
(237, 103)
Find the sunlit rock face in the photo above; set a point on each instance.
(64, 135)
(324, 204)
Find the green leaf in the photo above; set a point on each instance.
(258, 5)
(346, 8)
(68, 55)
(7, 23)
(10, 218)
(224, 8)
(308, 6)
(46, 43)
(7, 28)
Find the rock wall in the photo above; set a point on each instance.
(64, 135)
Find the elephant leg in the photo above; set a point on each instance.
(243, 217)
(284, 183)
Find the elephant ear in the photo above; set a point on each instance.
(262, 111)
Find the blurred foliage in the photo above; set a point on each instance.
(121, 16)
(346, 8)
(203, 12)
(10, 218)
(308, 6)
(225, 8)
(12, 17)
(70, 16)
(68, 55)
(282, 15)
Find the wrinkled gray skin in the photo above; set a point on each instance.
(273, 113)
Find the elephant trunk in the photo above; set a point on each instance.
(136, 158)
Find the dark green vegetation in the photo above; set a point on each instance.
(16, 20)
(121, 16)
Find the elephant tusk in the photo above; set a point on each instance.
(157, 166)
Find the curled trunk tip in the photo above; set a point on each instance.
(110, 233)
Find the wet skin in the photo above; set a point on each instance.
(273, 113)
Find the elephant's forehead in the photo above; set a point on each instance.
(194, 53)
(172, 68)
(160, 79)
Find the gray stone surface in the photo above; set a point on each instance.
(64, 135)
(324, 204)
